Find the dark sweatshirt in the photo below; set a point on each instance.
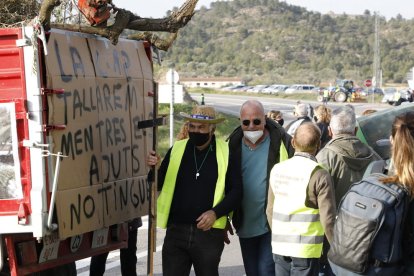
(194, 196)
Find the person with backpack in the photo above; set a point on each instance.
(304, 206)
(345, 157)
(372, 227)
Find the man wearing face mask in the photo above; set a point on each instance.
(257, 145)
(200, 186)
(276, 116)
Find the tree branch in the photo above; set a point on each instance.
(126, 20)
(46, 12)
(112, 32)
(162, 44)
(170, 24)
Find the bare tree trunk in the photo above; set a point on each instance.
(162, 44)
(111, 32)
(46, 11)
(170, 24)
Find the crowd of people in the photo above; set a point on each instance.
(279, 188)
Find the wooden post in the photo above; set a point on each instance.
(152, 185)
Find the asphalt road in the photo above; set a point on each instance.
(230, 104)
(231, 263)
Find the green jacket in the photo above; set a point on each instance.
(346, 159)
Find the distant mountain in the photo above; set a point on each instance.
(269, 41)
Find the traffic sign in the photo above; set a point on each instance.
(368, 82)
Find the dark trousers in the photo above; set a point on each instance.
(128, 257)
(257, 255)
(186, 246)
(324, 267)
(291, 266)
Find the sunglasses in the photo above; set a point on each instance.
(256, 122)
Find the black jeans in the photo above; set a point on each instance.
(291, 266)
(128, 258)
(186, 245)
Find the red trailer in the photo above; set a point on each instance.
(73, 141)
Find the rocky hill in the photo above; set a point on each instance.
(270, 41)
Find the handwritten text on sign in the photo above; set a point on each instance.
(101, 181)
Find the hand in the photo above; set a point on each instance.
(228, 229)
(206, 220)
(153, 158)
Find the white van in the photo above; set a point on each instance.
(300, 88)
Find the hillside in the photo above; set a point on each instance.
(269, 41)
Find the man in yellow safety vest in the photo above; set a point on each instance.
(200, 187)
(304, 206)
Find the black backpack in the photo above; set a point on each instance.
(369, 226)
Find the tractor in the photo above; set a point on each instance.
(338, 93)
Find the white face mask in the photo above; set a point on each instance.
(253, 136)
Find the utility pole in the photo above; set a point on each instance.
(377, 78)
(172, 78)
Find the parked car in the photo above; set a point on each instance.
(243, 89)
(232, 87)
(369, 91)
(274, 89)
(300, 88)
(318, 89)
(282, 88)
(257, 88)
(395, 97)
(375, 129)
(270, 89)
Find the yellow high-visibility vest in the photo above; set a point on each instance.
(397, 96)
(167, 192)
(296, 228)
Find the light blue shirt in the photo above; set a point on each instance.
(254, 172)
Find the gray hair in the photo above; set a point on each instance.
(343, 121)
(301, 110)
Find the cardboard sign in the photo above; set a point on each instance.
(123, 200)
(78, 110)
(138, 135)
(91, 208)
(105, 97)
(145, 63)
(79, 210)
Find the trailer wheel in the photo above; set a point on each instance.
(340, 97)
(319, 98)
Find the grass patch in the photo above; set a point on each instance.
(223, 129)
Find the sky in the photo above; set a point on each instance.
(387, 8)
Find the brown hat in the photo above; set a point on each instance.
(202, 114)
